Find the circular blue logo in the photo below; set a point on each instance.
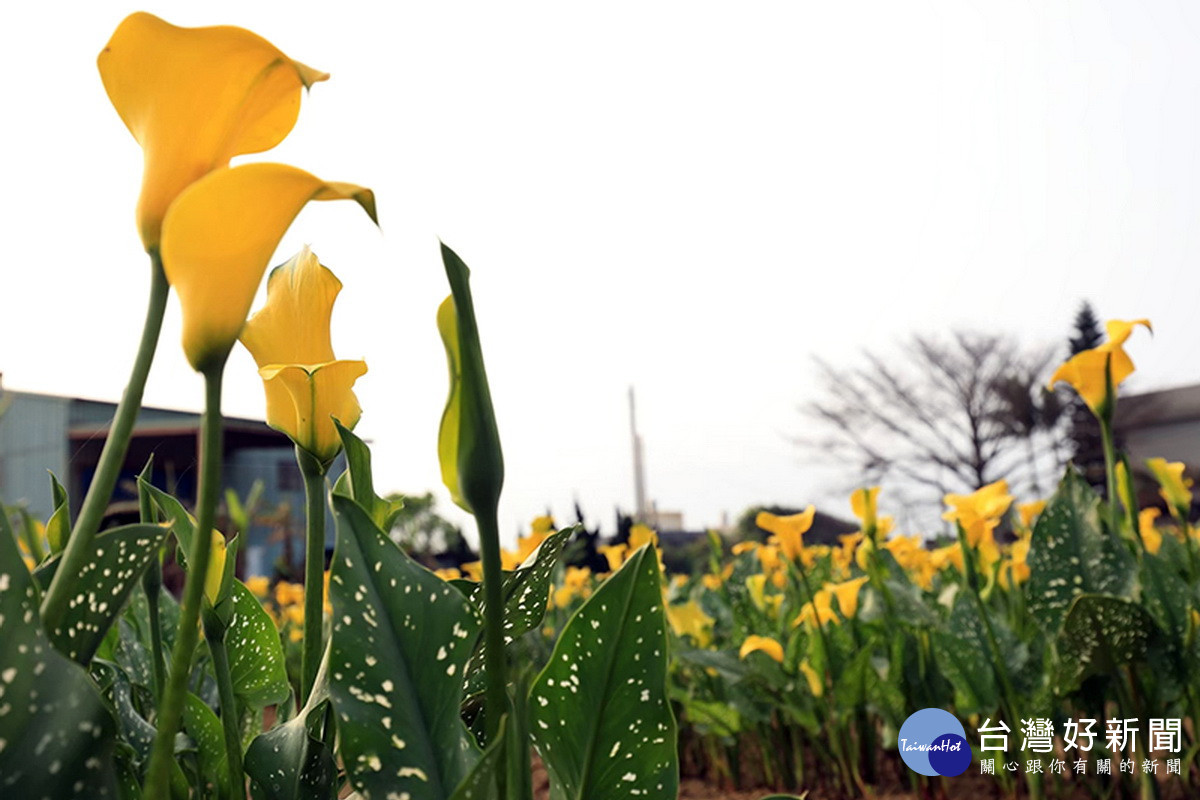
(933, 742)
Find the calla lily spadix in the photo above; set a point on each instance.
(194, 98)
(306, 386)
(219, 235)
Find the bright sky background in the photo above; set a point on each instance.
(691, 198)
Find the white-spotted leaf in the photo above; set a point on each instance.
(601, 718)
(401, 639)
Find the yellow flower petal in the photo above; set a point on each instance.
(789, 530)
(1174, 487)
(195, 97)
(219, 235)
(688, 619)
(815, 684)
(216, 568)
(847, 595)
(259, 585)
(447, 324)
(1152, 537)
(319, 394)
(293, 326)
(640, 535)
(762, 644)
(1088, 371)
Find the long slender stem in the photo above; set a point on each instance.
(229, 716)
(495, 661)
(171, 708)
(152, 586)
(79, 546)
(314, 569)
(1110, 469)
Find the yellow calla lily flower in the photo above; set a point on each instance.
(219, 235)
(789, 530)
(846, 593)
(688, 619)
(289, 338)
(1086, 370)
(216, 568)
(1173, 486)
(762, 644)
(816, 684)
(194, 98)
(1152, 537)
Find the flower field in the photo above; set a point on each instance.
(1044, 648)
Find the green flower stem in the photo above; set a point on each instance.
(495, 660)
(152, 586)
(314, 568)
(170, 710)
(79, 546)
(1110, 472)
(229, 715)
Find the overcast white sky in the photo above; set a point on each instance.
(691, 198)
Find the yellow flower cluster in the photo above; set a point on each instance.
(284, 603)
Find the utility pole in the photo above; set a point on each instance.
(639, 477)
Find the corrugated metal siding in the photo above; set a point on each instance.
(33, 439)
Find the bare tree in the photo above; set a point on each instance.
(945, 415)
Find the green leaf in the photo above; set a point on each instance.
(256, 659)
(181, 522)
(56, 732)
(601, 718)
(58, 528)
(964, 656)
(401, 639)
(360, 484)
(119, 556)
(288, 762)
(1100, 634)
(481, 782)
(202, 724)
(1070, 554)
(525, 591)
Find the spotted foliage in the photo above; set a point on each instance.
(401, 638)
(601, 719)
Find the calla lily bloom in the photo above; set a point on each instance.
(1090, 371)
(762, 644)
(306, 387)
(688, 619)
(1152, 537)
(216, 568)
(1173, 486)
(816, 684)
(979, 512)
(846, 593)
(788, 530)
(194, 98)
(219, 235)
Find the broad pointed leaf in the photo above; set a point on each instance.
(401, 639)
(202, 724)
(119, 556)
(256, 660)
(601, 718)
(525, 592)
(1099, 635)
(288, 762)
(965, 658)
(359, 482)
(1070, 554)
(56, 732)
